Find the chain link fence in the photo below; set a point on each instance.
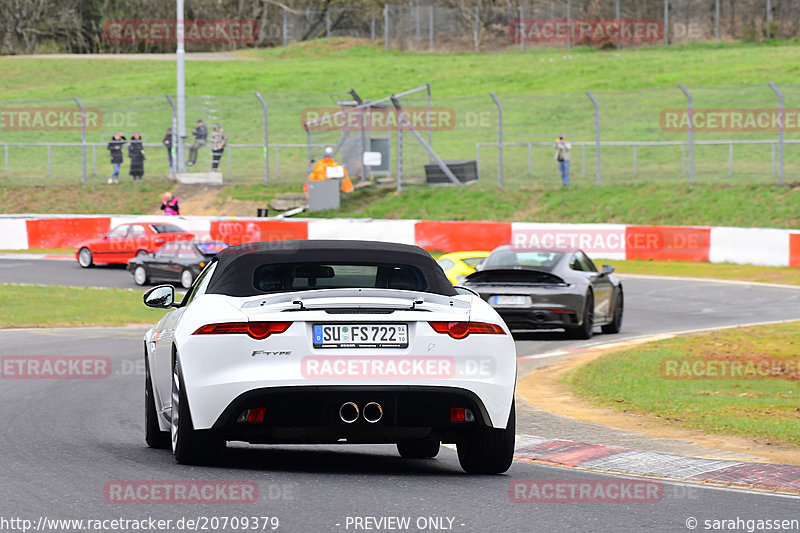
(641, 135)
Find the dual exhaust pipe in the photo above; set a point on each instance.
(349, 412)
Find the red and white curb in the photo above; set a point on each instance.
(777, 477)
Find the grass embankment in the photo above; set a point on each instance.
(72, 306)
(653, 203)
(129, 93)
(653, 379)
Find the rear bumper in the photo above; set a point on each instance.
(310, 414)
(538, 318)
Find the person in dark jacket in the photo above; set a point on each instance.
(115, 149)
(200, 139)
(136, 153)
(167, 142)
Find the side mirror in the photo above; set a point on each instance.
(607, 269)
(463, 290)
(161, 297)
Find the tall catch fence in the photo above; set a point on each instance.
(736, 134)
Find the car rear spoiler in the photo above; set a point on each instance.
(516, 276)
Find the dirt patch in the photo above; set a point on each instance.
(543, 389)
(204, 200)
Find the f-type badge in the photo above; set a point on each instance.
(270, 352)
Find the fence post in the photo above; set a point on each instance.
(477, 30)
(285, 29)
(781, 128)
(598, 172)
(372, 29)
(83, 139)
(428, 119)
(716, 19)
(399, 162)
(666, 22)
(327, 22)
(569, 25)
(174, 147)
(499, 139)
(386, 27)
(521, 19)
(683, 88)
(769, 18)
(619, 33)
(430, 28)
(730, 160)
(265, 122)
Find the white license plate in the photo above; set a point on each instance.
(510, 300)
(360, 335)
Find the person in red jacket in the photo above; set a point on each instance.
(169, 204)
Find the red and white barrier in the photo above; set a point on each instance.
(757, 246)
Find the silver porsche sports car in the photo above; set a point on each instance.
(539, 288)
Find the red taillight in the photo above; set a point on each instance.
(460, 330)
(458, 414)
(256, 330)
(256, 415)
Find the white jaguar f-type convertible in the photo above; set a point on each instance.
(329, 342)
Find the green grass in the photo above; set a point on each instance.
(636, 380)
(73, 306)
(654, 203)
(542, 93)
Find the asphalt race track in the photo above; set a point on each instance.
(65, 441)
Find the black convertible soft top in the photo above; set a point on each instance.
(235, 273)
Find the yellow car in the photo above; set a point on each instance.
(459, 265)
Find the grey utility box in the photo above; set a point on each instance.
(323, 194)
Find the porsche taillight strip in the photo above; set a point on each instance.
(256, 330)
(460, 330)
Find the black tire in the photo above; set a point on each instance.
(619, 308)
(418, 449)
(190, 446)
(85, 258)
(140, 275)
(488, 450)
(153, 435)
(586, 329)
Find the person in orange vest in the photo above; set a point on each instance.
(319, 173)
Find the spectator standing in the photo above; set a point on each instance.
(562, 150)
(169, 204)
(219, 139)
(167, 142)
(115, 149)
(200, 133)
(136, 155)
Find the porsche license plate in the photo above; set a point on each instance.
(360, 335)
(510, 300)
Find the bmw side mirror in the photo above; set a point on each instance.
(607, 269)
(161, 297)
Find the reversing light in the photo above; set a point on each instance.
(460, 330)
(256, 330)
(253, 416)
